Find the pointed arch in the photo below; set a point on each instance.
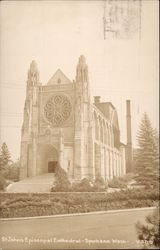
(105, 132)
(96, 127)
(101, 128)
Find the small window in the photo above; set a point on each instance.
(69, 163)
(59, 80)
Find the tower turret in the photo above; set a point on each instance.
(82, 70)
(33, 74)
(82, 120)
(30, 122)
(82, 80)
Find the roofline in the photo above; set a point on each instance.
(107, 103)
(100, 112)
(61, 73)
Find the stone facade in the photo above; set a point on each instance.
(62, 125)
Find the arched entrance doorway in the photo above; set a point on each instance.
(52, 166)
(47, 158)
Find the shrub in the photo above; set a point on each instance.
(82, 186)
(117, 183)
(99, 184)
(61, 180)
(85, 185)
(150, 232)
(128, 177)
(99, 180)
(32, 204)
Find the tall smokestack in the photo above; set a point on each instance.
(129, 155)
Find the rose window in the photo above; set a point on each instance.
(57, 109)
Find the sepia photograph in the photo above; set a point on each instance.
(79, 124)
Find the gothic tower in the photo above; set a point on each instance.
(30, 123)
(82, 121)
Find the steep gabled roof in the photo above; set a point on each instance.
(59, 78)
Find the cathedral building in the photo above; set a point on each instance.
(62, 126)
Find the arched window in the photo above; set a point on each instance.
(96, 127)
(101, 129)
(59, 80)
(109, 135)
(105, 132)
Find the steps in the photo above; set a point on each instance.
(40, 183)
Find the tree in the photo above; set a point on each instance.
(13, 171)
(4, 156)
(150, 232)
(147, 159)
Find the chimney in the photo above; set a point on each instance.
(129, 138)
(97, 99)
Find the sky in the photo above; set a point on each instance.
(55, 34)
